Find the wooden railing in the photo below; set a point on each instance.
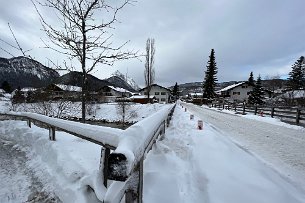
(125, 164)
(296, 115)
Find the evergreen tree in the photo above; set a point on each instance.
(210, 77)
(251, 80)
(256, 96)
(296, 78)
(6, 87)
(176, 91)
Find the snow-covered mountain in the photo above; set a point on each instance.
(25, 72)
(127, 79)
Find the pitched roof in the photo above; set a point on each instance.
(156, 86)
(231, 87)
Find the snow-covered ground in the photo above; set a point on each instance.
(188, 165)
(110, 112)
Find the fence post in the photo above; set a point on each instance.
(255, 110)
(104, 164)
(244, 109)
(297, 120)
(135, 192)
(52, 133)
(29, 123)
(272, 112)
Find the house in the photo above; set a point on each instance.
(111, 93)
(60, 91)
(162, 94)
(142, 99)
(237, 92)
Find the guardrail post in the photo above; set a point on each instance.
(255, 110)
(272, 112)
(104, 164)
(52, 133)
(29, 123)
(135, 191)
(244, 109)
(297, 120)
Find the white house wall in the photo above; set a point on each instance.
(157, 91)
(243, 93)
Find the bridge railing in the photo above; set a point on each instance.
(125, 164)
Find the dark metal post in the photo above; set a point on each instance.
(29, 123)
(105, 152)
(244, 109)
(272, 112)
(135, 191)
(52, 133)
(255, 110)
(297, 120)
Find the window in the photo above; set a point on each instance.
(163, 93)
(163, 99)
(145, 93)
(157, 93)
(236, 93)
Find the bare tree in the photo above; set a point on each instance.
(149, 72)
(81, 34)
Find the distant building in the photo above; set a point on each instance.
(237, 92)
(142, 99)
(162, 94)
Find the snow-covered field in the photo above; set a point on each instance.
(188, 165)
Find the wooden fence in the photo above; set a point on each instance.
(290, 114)
(126, 171)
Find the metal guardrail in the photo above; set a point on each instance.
(127, 172)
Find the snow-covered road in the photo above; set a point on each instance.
(278, 144)
(205, 166)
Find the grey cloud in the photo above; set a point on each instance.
(260, 36)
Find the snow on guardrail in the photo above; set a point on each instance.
(106, 135)
(134, 141)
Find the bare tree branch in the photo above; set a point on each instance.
(80, 34)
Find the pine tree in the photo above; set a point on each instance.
(210, 77)
(6, 87)
(296, 78)
(256, 96)
(176, 91)
(251, 80)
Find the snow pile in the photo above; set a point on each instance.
(134, 140)
(66, 166)
(192, 165)
(188, 165)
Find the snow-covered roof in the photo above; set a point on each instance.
(156, 86)
(196, 94)
(119, 89)
(69, 87)
(231, 87)
(141, 96)
(27, 89)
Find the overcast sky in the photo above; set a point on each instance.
(263, 36)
